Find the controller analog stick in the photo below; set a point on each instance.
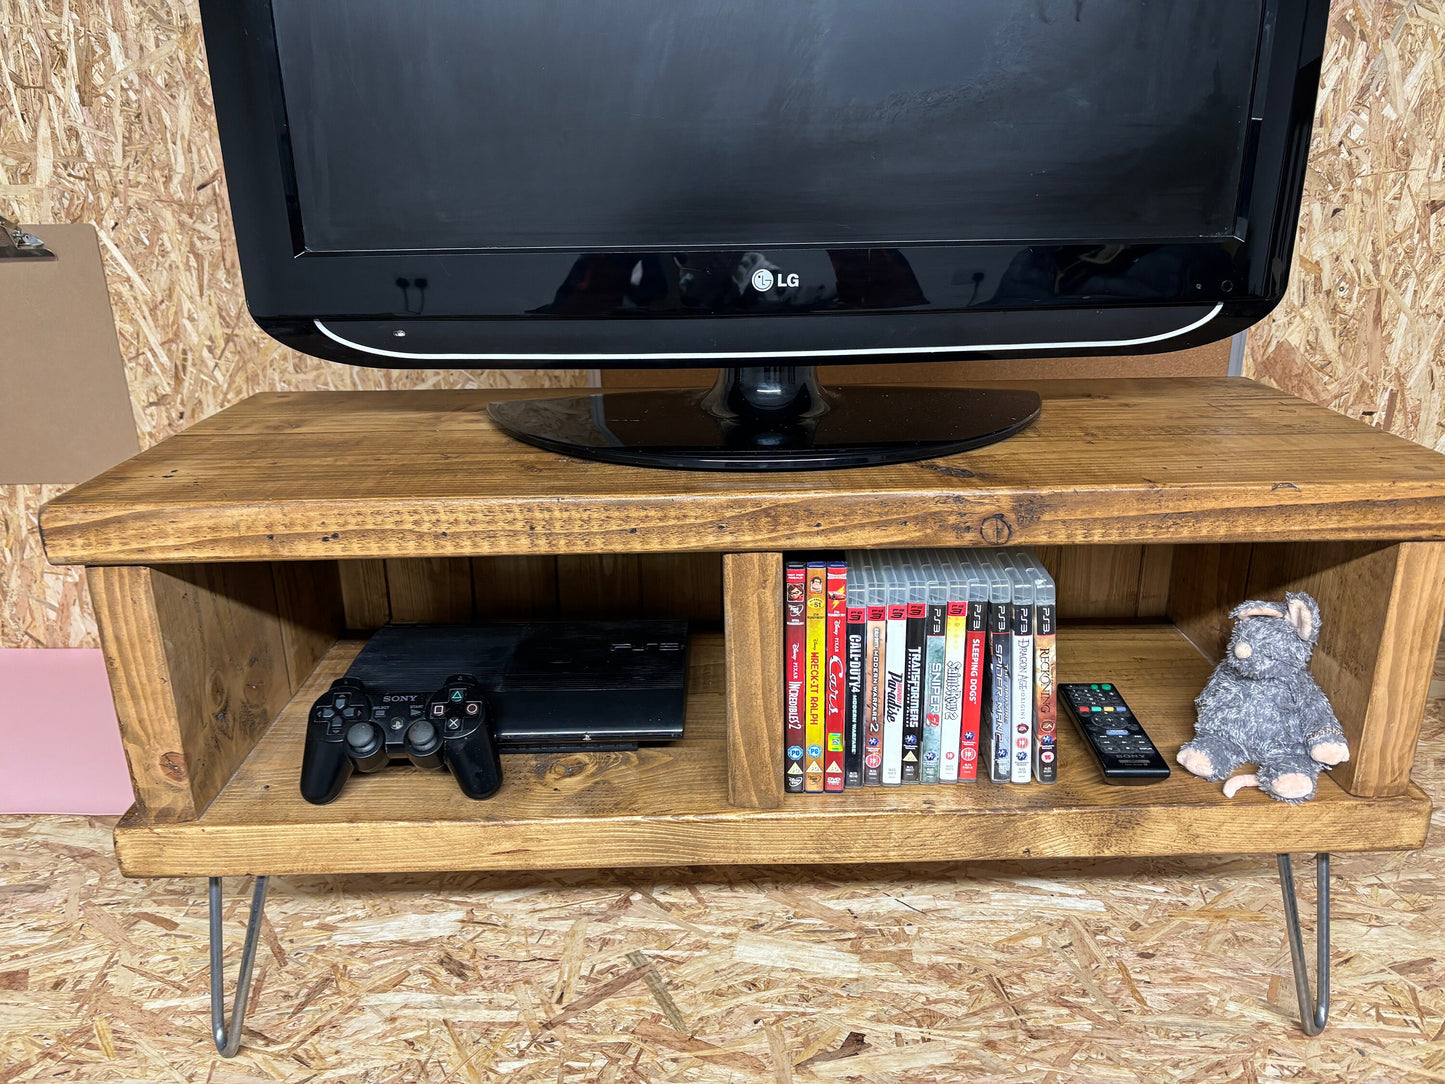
(423, 736)
(362, 738)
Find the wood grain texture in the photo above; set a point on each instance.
(681, 585)
(132, 641)
(364, 593)
(515, 588)
(1381, 610)
(310, 609)
(1119, 462)
(429, 588)
(598, 586)
(226, 663)
(1095, 581)
(1360, 327)
(670, 805)
(1156, 570)
(1408, 643)
(1207, 580)
(753, 627)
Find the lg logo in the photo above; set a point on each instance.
(764, 280)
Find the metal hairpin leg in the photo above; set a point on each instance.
(1314, 1011)
(228, 1037)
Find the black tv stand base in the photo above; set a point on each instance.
(769, 418)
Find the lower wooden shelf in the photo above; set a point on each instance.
(668, 806)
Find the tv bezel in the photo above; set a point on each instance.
(481, 306)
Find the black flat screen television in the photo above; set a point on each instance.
(761, 186)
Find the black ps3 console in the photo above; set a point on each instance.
(457, 696)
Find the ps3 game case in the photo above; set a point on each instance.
(918, 667)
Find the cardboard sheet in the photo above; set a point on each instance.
(65, 411)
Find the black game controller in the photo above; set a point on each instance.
(348, 730)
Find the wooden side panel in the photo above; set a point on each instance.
(681, 585)
(226, 662)
(753, 628)
(514, 588)
(135, 659)
(1207, 581)
(599, 586)
(198, 668)
(309, 606)
(1381, 609)
(430, 588)
(1409, 641)
(364, 593)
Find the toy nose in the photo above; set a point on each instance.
(1242, 650)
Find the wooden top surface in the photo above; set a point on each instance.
(668, 805)
(377, 474)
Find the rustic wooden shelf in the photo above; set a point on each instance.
(326, 475)
(669, 806)
(228, 563)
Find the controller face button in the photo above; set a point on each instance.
(438, 710)
(453, 724)
(473, 708)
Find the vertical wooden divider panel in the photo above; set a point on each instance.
(753, 630)
(364, 594)
(514, 588)
(1380, 612)
(309, 606)
(430, 588)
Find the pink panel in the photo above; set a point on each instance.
(61, 746)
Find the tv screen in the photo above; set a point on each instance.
(634, 124)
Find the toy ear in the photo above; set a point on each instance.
(1304, 615)
(1256, 609)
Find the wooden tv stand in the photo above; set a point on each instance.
(235, 567)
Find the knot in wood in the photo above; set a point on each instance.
(995, 530)
(173, 767)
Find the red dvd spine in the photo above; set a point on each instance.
(795, 624)
(972, 694)
(834, 677)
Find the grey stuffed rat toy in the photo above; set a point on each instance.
(1262, 707)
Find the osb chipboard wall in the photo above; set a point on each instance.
(1363, 326)
(105, 117)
